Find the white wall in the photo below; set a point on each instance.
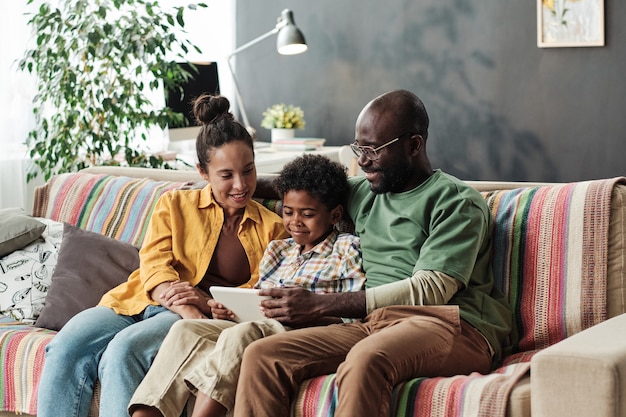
(212, 29)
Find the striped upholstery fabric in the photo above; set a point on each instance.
(550, 258)
(22, 348)
(118, 207)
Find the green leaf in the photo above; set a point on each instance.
(94, 76)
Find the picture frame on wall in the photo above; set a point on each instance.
(570, 23)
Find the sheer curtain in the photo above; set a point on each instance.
(17, 90)
(212, 29)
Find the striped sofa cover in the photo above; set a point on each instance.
(118, 207)
(558, 254)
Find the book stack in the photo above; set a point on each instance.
(298, 144)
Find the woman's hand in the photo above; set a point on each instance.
(218, 311)
(182, 298)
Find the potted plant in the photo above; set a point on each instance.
(98, 63)
(283, 120)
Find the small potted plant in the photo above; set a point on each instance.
(283, 120)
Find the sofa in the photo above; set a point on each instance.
(559, 254)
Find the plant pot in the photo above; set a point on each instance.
(281, 134)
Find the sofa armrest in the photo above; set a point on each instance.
(583, 375)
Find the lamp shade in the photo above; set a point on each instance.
(290, 40)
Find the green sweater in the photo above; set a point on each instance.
(442, 225)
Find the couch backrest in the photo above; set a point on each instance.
(118, 207)
(559, 249)
(559, 256)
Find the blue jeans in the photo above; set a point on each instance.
(98, 344)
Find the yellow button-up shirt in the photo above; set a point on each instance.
(179, 244)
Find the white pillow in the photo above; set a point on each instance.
(26, 274)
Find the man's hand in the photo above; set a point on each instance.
(298, 307)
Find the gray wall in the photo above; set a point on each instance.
(500, 108)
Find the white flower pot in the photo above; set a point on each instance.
(281, 134)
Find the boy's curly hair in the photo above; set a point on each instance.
(325, 180)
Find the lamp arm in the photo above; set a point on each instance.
(254, 41)
(281, 23)
(240, 105)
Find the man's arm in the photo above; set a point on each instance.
(423, 288)
(295, 306)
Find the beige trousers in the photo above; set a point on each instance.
(202, 355)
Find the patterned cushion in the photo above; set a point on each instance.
(26, 274)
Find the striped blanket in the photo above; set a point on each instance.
(22, 350)
(118, 207)
(550, 258)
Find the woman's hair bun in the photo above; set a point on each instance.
(209, 109)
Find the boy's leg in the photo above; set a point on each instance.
(184, 348)
(218, 376)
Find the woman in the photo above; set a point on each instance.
(196, 238)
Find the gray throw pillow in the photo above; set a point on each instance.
(89, 265)
(17, 229)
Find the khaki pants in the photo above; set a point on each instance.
(200, 355)
(393, 344)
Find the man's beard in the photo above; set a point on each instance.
(392, 179)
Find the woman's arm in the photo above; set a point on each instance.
(183, 299)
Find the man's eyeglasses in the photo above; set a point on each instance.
(370, 152)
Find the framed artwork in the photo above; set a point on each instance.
(570, 23)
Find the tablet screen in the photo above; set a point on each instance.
(244, 302)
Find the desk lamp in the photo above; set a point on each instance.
(289, 41)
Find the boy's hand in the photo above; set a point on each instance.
(218, 311)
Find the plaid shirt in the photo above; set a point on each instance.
(333, 265)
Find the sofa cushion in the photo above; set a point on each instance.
(89, 265)
(26, 274)
(17, 230)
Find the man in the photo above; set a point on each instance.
(430, 307)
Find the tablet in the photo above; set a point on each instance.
(244, 302)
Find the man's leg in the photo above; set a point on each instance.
(272, 368)
(406, 342)
(183, 349)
